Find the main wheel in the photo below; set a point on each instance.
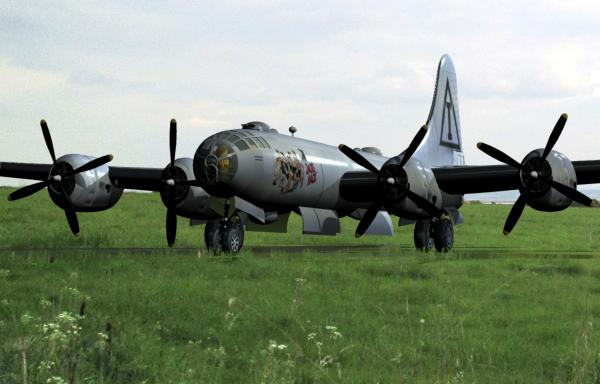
(422, 236)
(443, 234)
(212, 236)
(232, 237)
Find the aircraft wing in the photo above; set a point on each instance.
(144, 179)
(490, 178)
(25, 170)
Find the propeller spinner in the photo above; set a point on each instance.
(60, 177)
(536, 175)
(392, 182)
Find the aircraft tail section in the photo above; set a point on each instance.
(443, 144)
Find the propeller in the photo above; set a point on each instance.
(60, 177)
(391, 182)
(175, 186)
(536, 175)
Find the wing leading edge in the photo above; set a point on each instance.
(491, 178)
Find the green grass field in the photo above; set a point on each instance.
(518, 309)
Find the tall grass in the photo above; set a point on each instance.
(384, 315)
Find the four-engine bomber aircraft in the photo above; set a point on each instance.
(254, 177)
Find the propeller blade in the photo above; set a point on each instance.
(514, 214)
(367, 219)
(48, 139)
(498, 155)
(414, 144)
(171, 226)
(560, 124)
(572, 194)
(358, 158)
(28, 190)
(90, 165)
(70, 212)
(173, 140)
(425, 204)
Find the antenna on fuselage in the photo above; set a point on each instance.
(292, 130)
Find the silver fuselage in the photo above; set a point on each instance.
(294, 172)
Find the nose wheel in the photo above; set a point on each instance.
(438, 233)
(224, 235)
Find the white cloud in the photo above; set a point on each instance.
(108, 77)
(17, 82)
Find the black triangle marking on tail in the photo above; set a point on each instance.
(449, 136)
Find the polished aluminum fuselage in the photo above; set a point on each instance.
(315, 178)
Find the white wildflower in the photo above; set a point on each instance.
(422, 321)
(4, 272)
(326, 361)
(46, 365)
(55, 380)
(26, 319)
(311, 336)
(232, 302)
(272, 345)
(333, 331)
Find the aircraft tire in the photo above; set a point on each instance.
(443, 234)
(232, 237)
(212, 236)
(422, 236)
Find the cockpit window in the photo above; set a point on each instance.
(251, 143)
(216, 160)
(263, 142)
(241, 144)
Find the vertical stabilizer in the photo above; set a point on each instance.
(443, 144)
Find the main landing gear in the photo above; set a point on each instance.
(224, 235)
(438, 233)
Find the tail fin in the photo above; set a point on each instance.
(443, 144)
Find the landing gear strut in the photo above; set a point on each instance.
(224, 235)
(438, 233)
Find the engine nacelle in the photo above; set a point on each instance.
(542, 196)
(421, 181)
(90, 191)
(192, 202)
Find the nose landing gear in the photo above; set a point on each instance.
(438, 233)
(224, 235)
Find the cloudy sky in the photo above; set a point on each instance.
(108, 76)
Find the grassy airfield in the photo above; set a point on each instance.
(522, 308)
